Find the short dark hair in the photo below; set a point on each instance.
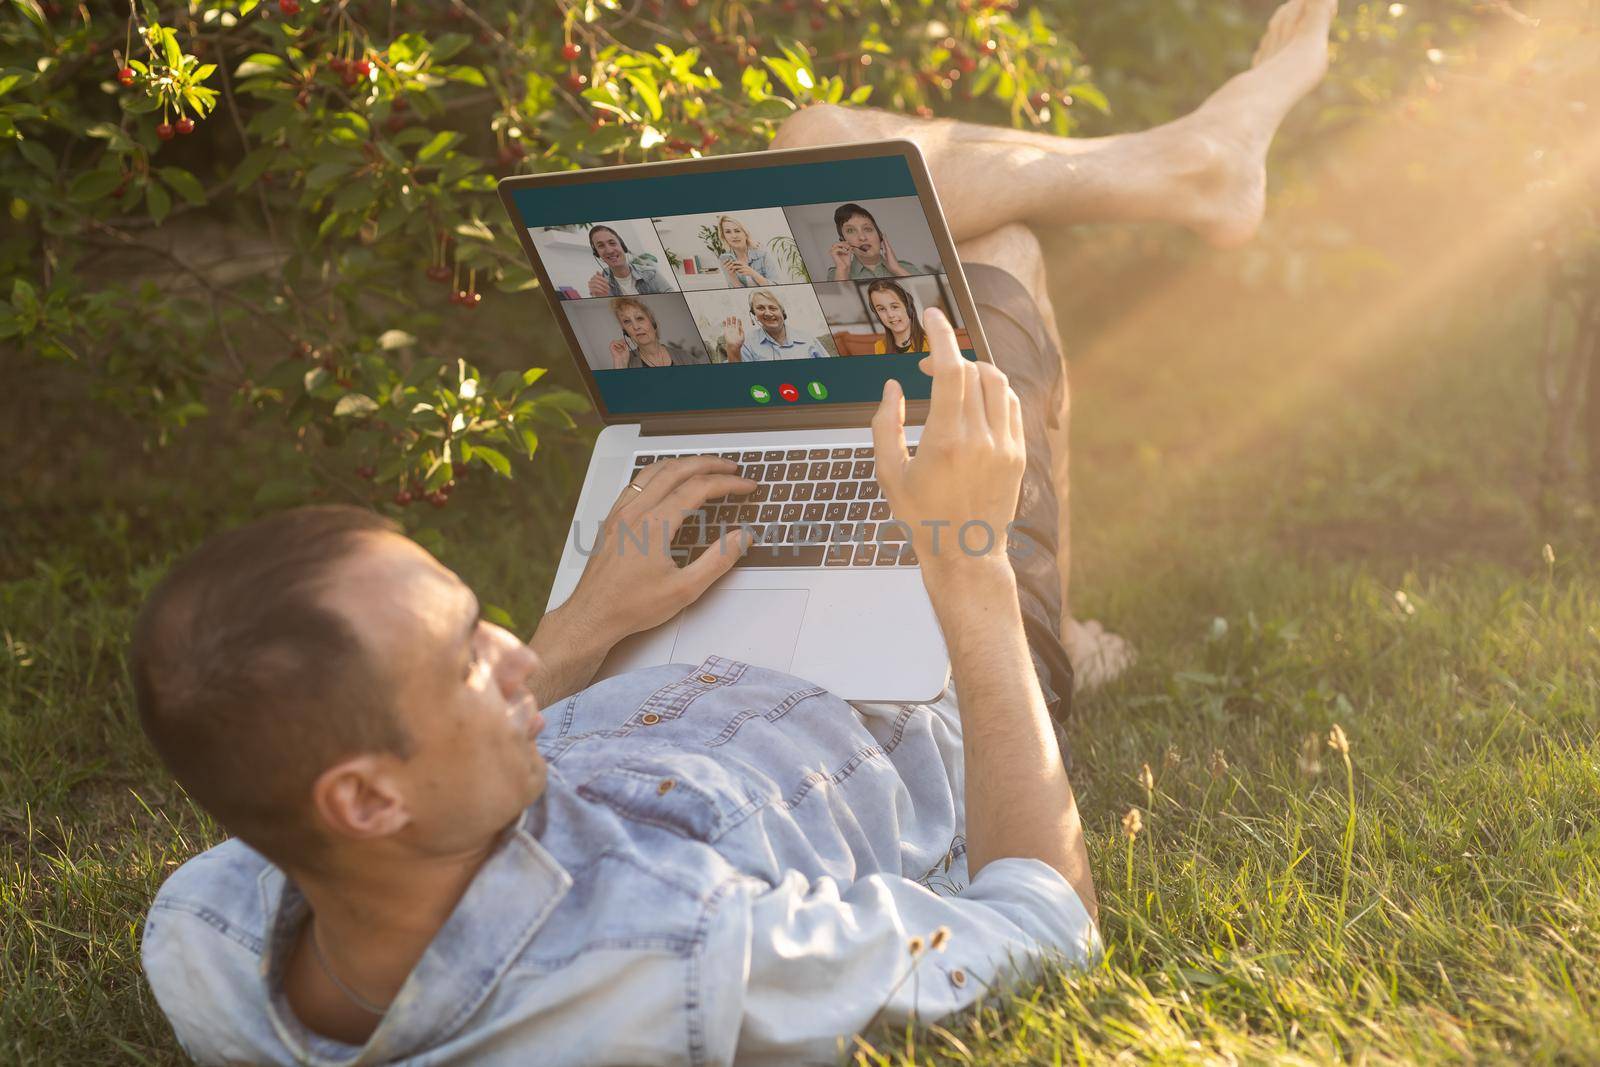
(845, 212)
(249, 686)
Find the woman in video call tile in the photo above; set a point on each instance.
(770, 339)
(641, 345)
(863, 250)
(623, 273)
(745, 262)
(896, 311)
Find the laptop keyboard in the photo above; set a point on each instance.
(812, 507)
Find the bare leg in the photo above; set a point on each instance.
(1205, 171)
(1097, 655)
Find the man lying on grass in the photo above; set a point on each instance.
(686, 864)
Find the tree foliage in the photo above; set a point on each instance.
(352, 149)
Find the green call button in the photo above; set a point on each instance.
(759, 394)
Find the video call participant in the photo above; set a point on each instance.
(772, 340)
(896, 310)
(745, 261)
(622, 273)
(863, 250)
(641, 345)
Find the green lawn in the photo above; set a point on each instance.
(1301, 516)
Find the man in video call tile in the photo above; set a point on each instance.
(624, 274)
(771, 339)
(641, 345)
(863, 250)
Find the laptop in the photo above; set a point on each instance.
(752, 307)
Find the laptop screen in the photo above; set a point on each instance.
(779, 286)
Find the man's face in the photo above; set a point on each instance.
(863, 238)
(891, 311)
(768, 312)
(608, 247)
(636, 324)
(458, 685)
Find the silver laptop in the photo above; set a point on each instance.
(752, 306)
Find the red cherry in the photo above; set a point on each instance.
(401, 104)
(575, 81)
(438, 273)
(394, 123)
(991, 46)
(368, 473)
(290, 8)
(966, 63)
(570, 51)
(337, 64)
(403, 497)
(688, 5)
(790, 6)
(122, 187)
(818, 22)
(438, 499)
(126, 76)
(1041, 99)
(186, 125)
(363, 68)
(165, 131)
(468, 300)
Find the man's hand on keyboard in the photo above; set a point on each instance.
(959, 492)
(632, 582)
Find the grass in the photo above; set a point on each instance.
(1295, 531)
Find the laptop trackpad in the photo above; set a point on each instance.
(756, 626)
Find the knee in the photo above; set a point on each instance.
(1012, 247)
(819, 124)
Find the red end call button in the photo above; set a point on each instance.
(788, 392)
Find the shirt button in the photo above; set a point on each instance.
(709, 679)
(958, 977)
(649, 718)
(666, 786)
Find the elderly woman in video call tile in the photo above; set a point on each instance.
(623, 273)
(641, 345)
(896, 310)
(772, 340)
(863, 249)
(745, 261)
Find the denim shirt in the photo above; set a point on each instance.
(729, 865)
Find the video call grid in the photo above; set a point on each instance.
(598, 362)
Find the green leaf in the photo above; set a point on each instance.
(530, 441)
(441, 141)
(258, 63)
(493, 459)
(94, 184)
(184, 184)
(354, 404)
(158, 200)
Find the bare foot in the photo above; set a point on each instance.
(1228, 135)
(1098, 656)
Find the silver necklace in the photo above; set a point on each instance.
(355, 998)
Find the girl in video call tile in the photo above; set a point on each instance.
(745, 262)
(621, 273)
(896, 310)
(641, 345)
(863, 250)
(771, 338)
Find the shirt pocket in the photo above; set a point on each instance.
(692, 796)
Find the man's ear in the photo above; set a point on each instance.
(359, 798)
